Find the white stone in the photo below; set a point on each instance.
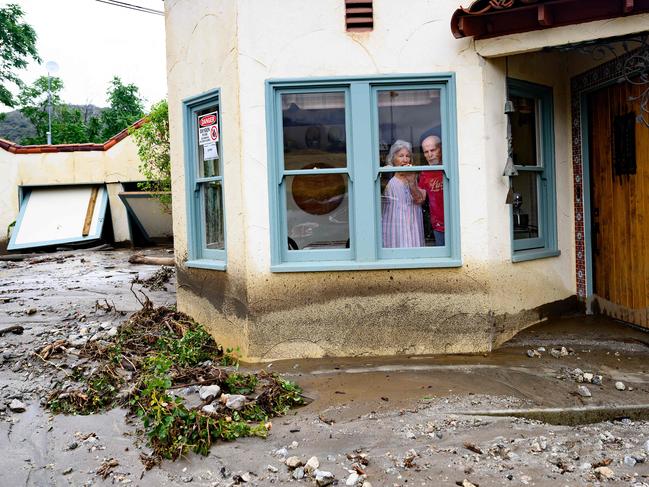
(209, 409)
(312, 465)
(604, 472)
(298, 473)
(271, 468)
(323, 478)
(629, 461)
(646, 446)
(235, 401)
(588, 377)
(17, 406)
(620, 386)
(209, 392)
(583, 391)
(352, 480)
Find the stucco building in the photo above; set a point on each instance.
(297, 233)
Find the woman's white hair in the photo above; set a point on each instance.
(396, 147)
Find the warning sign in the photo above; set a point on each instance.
(208, 128)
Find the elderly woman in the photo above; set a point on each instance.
(401, 215)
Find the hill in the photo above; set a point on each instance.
(15, 127)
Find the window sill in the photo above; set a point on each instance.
(525, 255)
(213, 265)
(359, 266)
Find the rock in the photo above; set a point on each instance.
(17, 406)
(588, 377)
(604, 472)
(583, 391)
(323, 478)
(67, 471)
(577, 372)
(646, 446)
(312, 465)
(207, 393)
(209, 409)
(31, 311)
(282, 452)
(556, 353)
(629, 461)
(620, 386)
(597, 380)
(234, 401)
(466, 483)
(273, 469)
(293, 445)
(293, 462)
(533, 353)
(540, 349)
(298, 473)
(187, 478)
(353, 479)
(585, 466)
(112, 332)
(367, 484)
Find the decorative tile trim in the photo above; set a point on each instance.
(581, 84)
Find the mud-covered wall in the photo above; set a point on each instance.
(120, 163)
(237, 46)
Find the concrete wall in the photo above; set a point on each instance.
(237, 46)
(113, 166)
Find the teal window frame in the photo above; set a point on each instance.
(363, 170)
(199, 256)
(545, 245)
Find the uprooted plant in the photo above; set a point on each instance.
(158, 352)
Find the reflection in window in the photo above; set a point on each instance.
(317, 211)
(525, 205)
(214, 232)
(410, 115)
(314, 129)
(524, 131)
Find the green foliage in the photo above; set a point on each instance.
(17, 47)
(240, 383)
(71, 125)
(125, 108)
(231, 357)
(152, 141)
(162, 347)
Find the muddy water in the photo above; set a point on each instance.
(348, 388)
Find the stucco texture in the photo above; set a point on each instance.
(237, 46)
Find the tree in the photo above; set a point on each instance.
(152, 140)
(17, 47)
(126, 107)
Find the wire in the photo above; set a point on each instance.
(138, 8)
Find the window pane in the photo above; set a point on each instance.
(524, 131)
(213, 208)
(412, 209)
(317, 211)
(412, 116)
(207, 137)
(525, 205)
(313, 127)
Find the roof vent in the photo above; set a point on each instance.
(359, 15)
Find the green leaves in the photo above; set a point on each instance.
(17, 47)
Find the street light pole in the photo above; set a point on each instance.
(52, 67)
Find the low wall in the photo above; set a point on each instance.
(112, 163)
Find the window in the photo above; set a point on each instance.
(363, 173)
(534, 232)
(204, 181)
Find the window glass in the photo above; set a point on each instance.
(524, 131)
(409, 115)
(317, 211)
(207, 137)
(525, 206)
(313, 126)
(213, 201)
(412, 203)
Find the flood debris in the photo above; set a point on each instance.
(150, 260)
(158, 280)
(152, 366)
(15, 329)
(107, 467)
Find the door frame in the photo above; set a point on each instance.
(597, 78)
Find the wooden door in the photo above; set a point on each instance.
(619, 204)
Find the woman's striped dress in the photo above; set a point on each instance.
(401, 218)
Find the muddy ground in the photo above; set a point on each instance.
(413, 418)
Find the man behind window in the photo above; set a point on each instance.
(433, 183)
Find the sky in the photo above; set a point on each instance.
(92, 42)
